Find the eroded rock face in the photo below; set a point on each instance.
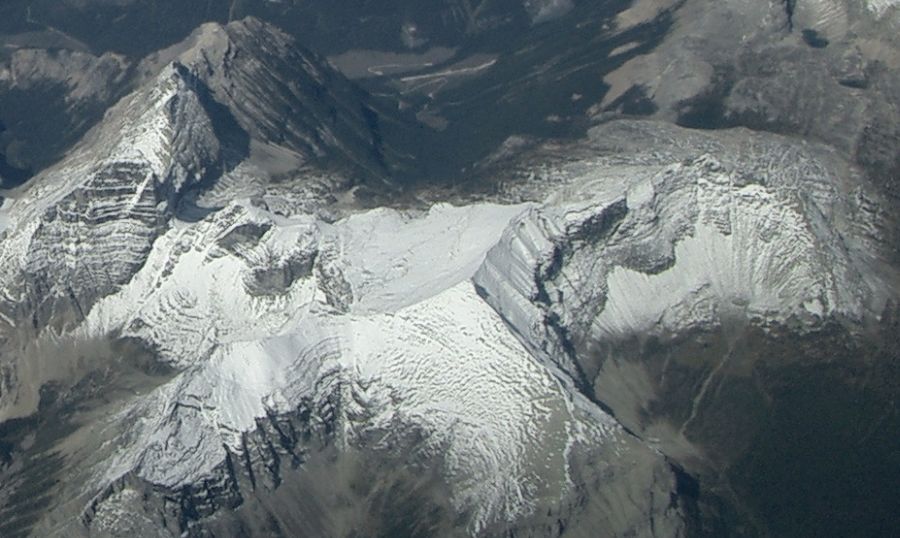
(120, 201)
(87, 77)
(281, 94)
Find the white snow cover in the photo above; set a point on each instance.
(439, 319)
(391, 265)
(190, 295)
(418, 347)
(683, 246)
(750, 250)
(415, 344)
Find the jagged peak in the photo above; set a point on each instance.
(210, 49)
(279, 92)
(212, 43)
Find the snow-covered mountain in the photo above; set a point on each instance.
(219, 316)
(160, 147)
(461, 326)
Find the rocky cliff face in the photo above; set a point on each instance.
(280, 94)
(736, 274)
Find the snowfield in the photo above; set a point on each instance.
(440, 319)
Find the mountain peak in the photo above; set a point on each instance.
(282, 94)
(242, 93)
(213, 42)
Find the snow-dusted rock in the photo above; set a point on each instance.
(699, 233)
(83, 228)
(464, 323)
(418, 345)
(463, 330)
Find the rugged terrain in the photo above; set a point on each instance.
(539, 269)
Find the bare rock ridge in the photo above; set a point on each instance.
(75, 87)
(283, 95)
